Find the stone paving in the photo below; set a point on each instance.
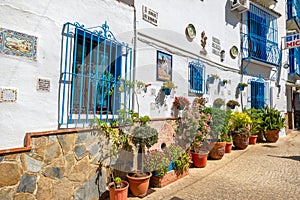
(262, 171)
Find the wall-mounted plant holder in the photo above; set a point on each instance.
(242, 86)
(211, 79)
(223, 82)
(167, 91)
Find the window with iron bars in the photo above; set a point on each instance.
(196, 76)
(260, 40)
(94, 66)
(259, 93)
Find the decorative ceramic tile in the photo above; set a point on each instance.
(8, 95)
(43, 84)
(17, 44)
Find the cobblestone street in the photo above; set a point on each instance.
(262, 171)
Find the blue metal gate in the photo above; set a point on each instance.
(93, 66)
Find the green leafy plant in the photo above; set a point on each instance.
(239, 124)
(157, 161)
(118, 182)
(169, 85)
(272, 119)
(256, 116)
(183, 162)
(174, 151)
(242, 84)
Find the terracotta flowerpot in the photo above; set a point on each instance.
(240, 142)
(228, 147)
(199, 159)
(139, 185)
(272, 135)
(218, 151)
(252, 139)
(118, 194)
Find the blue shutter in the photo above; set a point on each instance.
(196, 71)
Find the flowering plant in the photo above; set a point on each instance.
(169, 85)
(193, 126)
(181, 102)
(174, 151)
(158, 161)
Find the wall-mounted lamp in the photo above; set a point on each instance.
(222, 55)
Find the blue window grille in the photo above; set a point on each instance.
(260, 93)
(293, 10)
(197, 74)
(93, 67)
(294, 61)
(260, 41)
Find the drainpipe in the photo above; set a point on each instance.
(134, 53)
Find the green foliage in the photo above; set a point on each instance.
(118, 180)
(243, 84)
(144, 136)
(174, 151)
(272, 119)
(239, 123)
(168, 85)
(158, 161)
(256, 116)
(183, 162)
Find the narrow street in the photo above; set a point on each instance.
(262, 171)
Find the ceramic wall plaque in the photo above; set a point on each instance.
(17, 44)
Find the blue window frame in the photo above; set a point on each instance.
(259, 93)
(260, 41)
(93, 65)
(294, 61)
(196, 77)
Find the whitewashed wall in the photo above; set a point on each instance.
(35, 110)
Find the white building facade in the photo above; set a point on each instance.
(56, 73)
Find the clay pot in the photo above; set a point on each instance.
(252, 139)
(199, 159)
(139, 185)
(218, 151)
(272, 135)
(120, 193)
(240, 142)
(228, 147)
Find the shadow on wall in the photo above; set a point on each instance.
(231, 17)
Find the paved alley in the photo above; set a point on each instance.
(262, 171)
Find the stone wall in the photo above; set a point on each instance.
(66, 166)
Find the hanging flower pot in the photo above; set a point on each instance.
(211, 80)
(167, 91)
(242, 86)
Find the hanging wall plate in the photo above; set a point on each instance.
(190, 31)
(234, 51)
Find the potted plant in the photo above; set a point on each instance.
(218, 103)
(199, 151)
(167, 87)
(232, 103)
(256, 127)
(273, 122)
(212, 77)
(218, 132)
(181, 102)
(223, 82)
(157, 162)
(142, 136)
(182, 164)
(239, 125)
(242, 86)
(118, 189)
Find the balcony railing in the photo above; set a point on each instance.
(260, 49)
(293, 14)
(294, 61)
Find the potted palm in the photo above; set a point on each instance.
(273, 122)
(239, 125)
(256, 127)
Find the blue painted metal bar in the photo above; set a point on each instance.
(260, 41)
(91, 65)
(257, 93)
(197, 74)
(293, 11)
